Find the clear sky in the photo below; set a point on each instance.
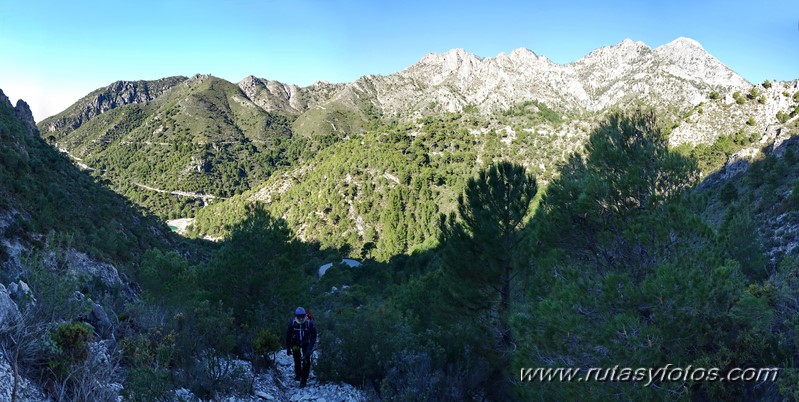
(54, 52)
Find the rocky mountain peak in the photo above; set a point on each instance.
(626, 52)
(682, 43)
(23, 112)
(451, 60)
(117, 94)
(272, 95)
(686, 58)
(249, 80)
(521, 56)
(4, 99)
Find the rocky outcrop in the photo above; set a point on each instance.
(24, 114)
(22, 111)
(345, 261)
(4, 101)
(80, 264)
(26, 391)
(102, 100)
(273, 95)
(9, 312)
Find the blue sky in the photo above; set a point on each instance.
(54, 52)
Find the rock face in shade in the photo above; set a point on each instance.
(23, 112)
(26, 391)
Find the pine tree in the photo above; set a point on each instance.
(257, 271)
(394, 234)
(627, 173)
(482, 250)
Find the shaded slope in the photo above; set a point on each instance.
(43, 192)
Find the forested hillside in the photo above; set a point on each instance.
(43, 192)
(201, 136)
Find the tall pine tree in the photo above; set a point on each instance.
(482, 253)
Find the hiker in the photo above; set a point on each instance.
(300, 341)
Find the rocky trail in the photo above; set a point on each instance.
(278, 384)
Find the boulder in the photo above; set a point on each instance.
(80, 264)
(9, 312)
(347, 261)
(99, 319)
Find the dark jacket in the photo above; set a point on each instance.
(302, 335)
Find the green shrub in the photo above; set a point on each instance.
(147, 384)
(266, 343)
(71, 341)
(155, 347)
(750, 121)
(714, 95)
(418, 377)
(728, 193)
(793, 199)
(789, 156)
(782, 117)
(767, 84)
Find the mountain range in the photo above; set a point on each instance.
(176, 144)
(609, 76)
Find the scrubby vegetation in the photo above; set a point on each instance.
(620, 261)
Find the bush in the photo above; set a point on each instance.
(767, 84)
(358, 345)
(752, 93)
(213, 375)
(71, 341)
(266, 343)
(728, 193)
(782, 117)
(750, 121)
(793, 199)
(147, 384)
(714, 95)
(417, 377)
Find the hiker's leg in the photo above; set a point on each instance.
(306, 365)
(297, 364)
